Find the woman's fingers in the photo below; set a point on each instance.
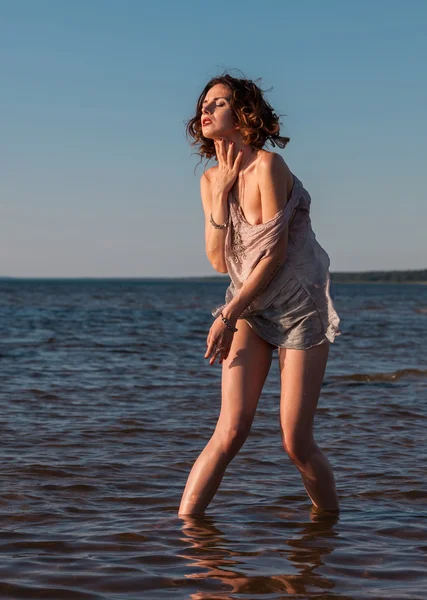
(217, 150)
(211, 355)
(220, 152)
(218, 338)
(211, 351)
(238, 160)
(217, 355)
(230, 154)
(224, 152)
(208, 349)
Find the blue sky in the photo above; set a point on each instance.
(98, 177)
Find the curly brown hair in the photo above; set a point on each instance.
(257, 121)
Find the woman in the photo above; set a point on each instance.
(258, 229)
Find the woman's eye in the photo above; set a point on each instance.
(218, 105)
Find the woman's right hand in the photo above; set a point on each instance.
(228, 167)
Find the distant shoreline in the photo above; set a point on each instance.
(414, 277)
(383, 282)
(208, 279)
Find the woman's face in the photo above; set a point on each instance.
(216, 108)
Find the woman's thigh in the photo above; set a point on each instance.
(301, 375)
(244, 372)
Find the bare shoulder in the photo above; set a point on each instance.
(207, 175)
(272, 167)
(273, 161)
(275, 183)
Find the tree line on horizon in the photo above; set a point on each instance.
(380, 276)
(419, 275)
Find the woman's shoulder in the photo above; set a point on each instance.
(273, 162)
(269, 158)
(209, 172)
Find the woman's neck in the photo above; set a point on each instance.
(249, 153)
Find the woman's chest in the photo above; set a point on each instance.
(247, 194)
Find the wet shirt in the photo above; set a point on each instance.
(306, 262)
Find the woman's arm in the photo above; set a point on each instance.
(254, 285)
(214, 238)
(272, 180)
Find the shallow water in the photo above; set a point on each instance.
(106, 401)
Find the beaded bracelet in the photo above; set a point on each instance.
(228, 323)
(219, 226)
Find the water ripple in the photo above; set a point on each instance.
(106, 401)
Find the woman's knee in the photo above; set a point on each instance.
(299, 445)
(232, 436)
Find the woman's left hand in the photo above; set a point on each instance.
(220, 336)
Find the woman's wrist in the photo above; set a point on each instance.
(219, 196)
(230, 313)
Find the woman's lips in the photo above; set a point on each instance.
(206, 123)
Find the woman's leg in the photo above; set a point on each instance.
(302, 373)
(243, 375)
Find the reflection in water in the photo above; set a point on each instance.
(212, 557)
